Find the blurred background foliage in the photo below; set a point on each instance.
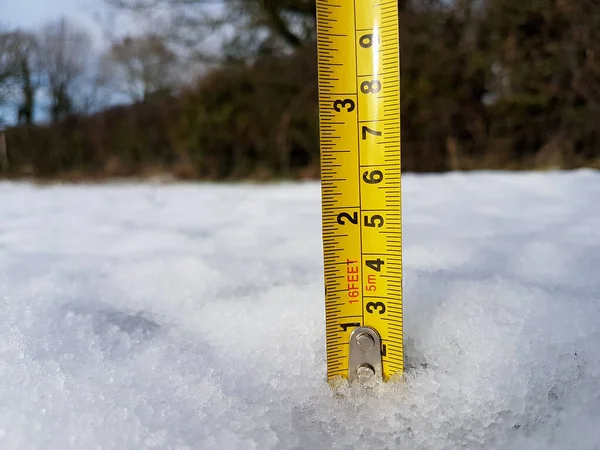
(485, 84)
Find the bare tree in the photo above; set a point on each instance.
(65, 51)
(141, 66)
(27, 78)
(199, 27)
(8, 67)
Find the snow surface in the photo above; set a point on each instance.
(192, 317)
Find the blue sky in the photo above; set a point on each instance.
(92, 14)
(33, 13)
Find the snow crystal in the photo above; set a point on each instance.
(191, 316)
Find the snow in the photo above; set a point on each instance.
(191, 316)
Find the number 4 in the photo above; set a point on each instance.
(375, 264)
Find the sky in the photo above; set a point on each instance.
(102, 22)
(32, 14)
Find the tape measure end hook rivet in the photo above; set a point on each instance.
(364, 354)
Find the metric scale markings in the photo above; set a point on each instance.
(359, 111)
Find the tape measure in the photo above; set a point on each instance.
(359, 119)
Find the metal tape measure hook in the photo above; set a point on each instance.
(364, 355)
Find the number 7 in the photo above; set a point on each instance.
(366, 130)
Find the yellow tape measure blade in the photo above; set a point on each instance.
(359, 114)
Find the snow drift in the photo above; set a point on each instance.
(191, 317)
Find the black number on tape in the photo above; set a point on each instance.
(375, 264)
(376, 306)
(370, 221)
(366, 130)
(370, 87)
(345, 326)
(347, 104)
(366, 40)
(351, 218)
(373, 177)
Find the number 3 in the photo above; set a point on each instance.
(338, 104)
(376, 306)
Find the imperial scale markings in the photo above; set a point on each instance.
(359, 102)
